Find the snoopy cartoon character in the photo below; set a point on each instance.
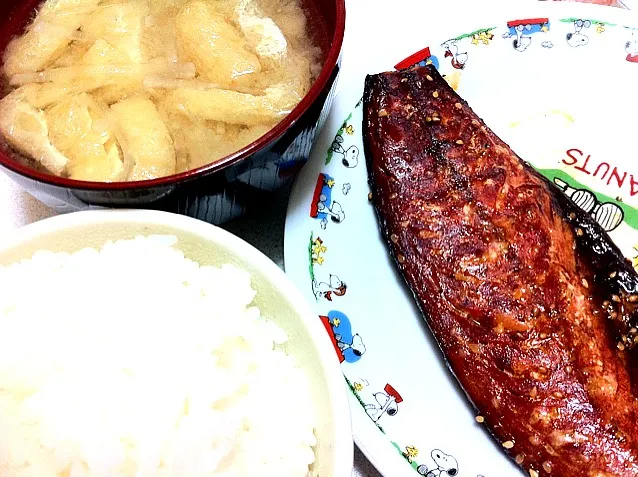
(521, 42)
(578, 38)
(350, 156)
(452, 50)
(386, 403)
(446, 465)
(355, 344)
(522, 30)
(349, 346)
(323, 207)
(334, 211)
(334, 286)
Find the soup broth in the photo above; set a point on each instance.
(111, 90)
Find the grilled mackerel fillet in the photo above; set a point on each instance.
(532, 304)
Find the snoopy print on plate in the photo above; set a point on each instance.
(528, 74)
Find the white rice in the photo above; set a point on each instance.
(135, 361)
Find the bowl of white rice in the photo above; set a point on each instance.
(147, 344)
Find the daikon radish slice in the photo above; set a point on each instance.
(163, 82)
(107, 73)
(233, 107)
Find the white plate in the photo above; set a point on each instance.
(558, 83)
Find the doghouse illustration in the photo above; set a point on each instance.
(386, 403)
(349, 346)
(522, 31)
(323, 207)
(421, 58)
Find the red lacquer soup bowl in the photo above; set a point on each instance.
(223, 189)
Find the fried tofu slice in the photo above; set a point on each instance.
(217, 48)
(25, 128)
(144, 139)
(47, 37)
(78, 127)
(121, 26)
(104, 53)
(262, 34)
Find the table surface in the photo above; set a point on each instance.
(265, 230)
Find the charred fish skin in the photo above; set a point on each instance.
(531, 303)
